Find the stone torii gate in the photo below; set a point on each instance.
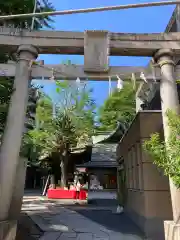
(96, 47)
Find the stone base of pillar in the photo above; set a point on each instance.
(8, 230)
(172, 230)
(18, 190)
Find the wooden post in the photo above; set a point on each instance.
(169, 100)
(9, 155)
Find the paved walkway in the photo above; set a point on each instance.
(79, 222)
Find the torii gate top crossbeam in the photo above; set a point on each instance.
(57, 42)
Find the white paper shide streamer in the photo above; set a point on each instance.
(142, 76)
(78, 80)
(119, 83)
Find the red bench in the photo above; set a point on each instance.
(59, 193)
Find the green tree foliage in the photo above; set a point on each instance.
(118, 107)
(5, 93)
(167, 156)
(17, 7)
(64, 126)
(26, 6)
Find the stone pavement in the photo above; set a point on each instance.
(77, 222)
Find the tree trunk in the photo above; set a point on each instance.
(63, 165)
(52, 181)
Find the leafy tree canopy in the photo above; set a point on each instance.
(63, 126)
(118, 107)
(18, 7)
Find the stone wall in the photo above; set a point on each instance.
(148, 198)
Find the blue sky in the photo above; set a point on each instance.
(145, 20)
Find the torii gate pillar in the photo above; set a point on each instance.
(9, 155)
(169, 100)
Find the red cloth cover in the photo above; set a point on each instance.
(61, 194)
(83, 195)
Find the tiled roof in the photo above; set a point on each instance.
(91, 164)
(103, 155)
(104, 152)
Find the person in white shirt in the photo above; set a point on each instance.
(78, 188)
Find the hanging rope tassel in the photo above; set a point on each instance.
(78, 81)
(31, 62)
(119, 83)
(153, 71)
(133, 79)
(110, 86)
(33, 19)
(52, 78)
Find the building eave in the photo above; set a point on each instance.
(112, 137)
(90, 164)
(73, 151)
(172, 21)
(137, 114)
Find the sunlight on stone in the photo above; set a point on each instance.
(60, 228)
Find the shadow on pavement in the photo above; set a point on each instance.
(116, 222)
(27, 229)
(101, 213)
